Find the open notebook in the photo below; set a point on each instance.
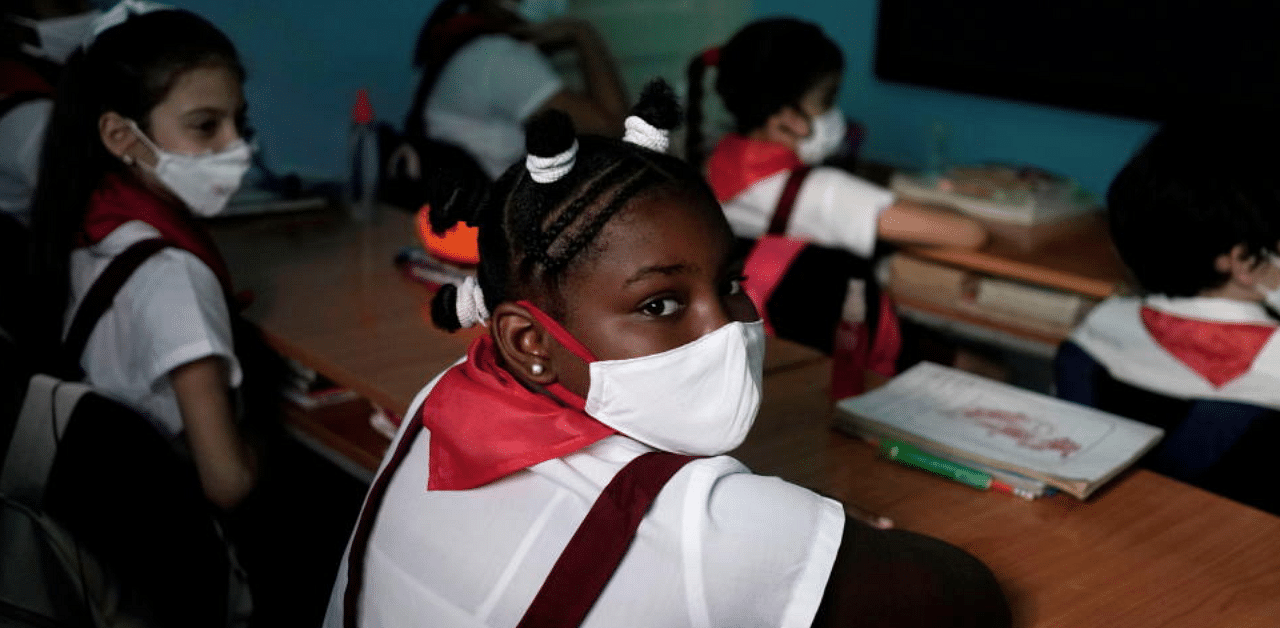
(967, 417)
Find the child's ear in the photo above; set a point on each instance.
(1240, 267)
(118, 136)
(524, 345)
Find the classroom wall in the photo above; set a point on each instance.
(901, 119)
(307, 60)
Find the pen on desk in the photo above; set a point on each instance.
(907, 454)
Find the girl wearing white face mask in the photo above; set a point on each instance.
(619, 336)
(779, 79)
(485, 71)
(145, 139)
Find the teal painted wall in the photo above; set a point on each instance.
(900, 118)
(306, 63)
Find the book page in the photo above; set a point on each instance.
(1004, 423)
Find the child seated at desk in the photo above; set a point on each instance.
(619, 337)
(779, 79)
(1195, 216)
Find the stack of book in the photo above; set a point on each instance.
(1022, 439)
(310, 390)
(415, 262)
(1016, 304)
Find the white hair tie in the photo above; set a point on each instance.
(469, 304)
(548, 169)
(645, 135)
(119, 14)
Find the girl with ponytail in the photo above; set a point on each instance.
(573, 461)
(820, 225)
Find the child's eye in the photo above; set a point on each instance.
(665, 306)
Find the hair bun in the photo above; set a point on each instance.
(549, 133)
(444, 308)
(552, 146)
(658, 105)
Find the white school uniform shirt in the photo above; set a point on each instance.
(484, 95)
(1113, 333)
(719, 546)
(170, 312)
(833, 209)
(21, 136)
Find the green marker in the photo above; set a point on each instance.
(912, 457)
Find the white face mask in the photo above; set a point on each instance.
(204, 182)
(826, 132)
(1271, 296)
(697, 399)
(539, 11)
(59, 36)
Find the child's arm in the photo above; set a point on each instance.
(225, 463)
(900, 578)
(909, 222)
(603, 107)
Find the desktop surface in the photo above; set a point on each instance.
(1144, 551)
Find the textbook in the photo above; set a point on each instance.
(969, 418)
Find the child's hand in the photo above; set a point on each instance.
(554, 34)
(859, 513)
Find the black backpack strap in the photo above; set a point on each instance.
(99, 298)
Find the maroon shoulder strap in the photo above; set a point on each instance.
(787, 202)
(100, 296)
(602, 539)
(585, 565)
(364, 525)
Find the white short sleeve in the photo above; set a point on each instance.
(833, 208)
(21, 136)
(484, 95)
(170, 312)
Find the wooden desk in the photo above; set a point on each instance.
(1144, 551)
(1075, 256)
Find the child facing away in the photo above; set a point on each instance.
(619, 342)
(779, 79)
(1195, 217)
(486, 69)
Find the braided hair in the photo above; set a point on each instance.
(537, 223)
(766, 66)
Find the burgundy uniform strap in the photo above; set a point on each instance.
(364, 525)
(787, 202)
(602, 539)
(585, 565)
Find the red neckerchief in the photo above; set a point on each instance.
(1218, 351)
(739, 162)
(120, 199)
(486, 425)
(17, 77)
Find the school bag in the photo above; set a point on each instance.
(104, 523)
